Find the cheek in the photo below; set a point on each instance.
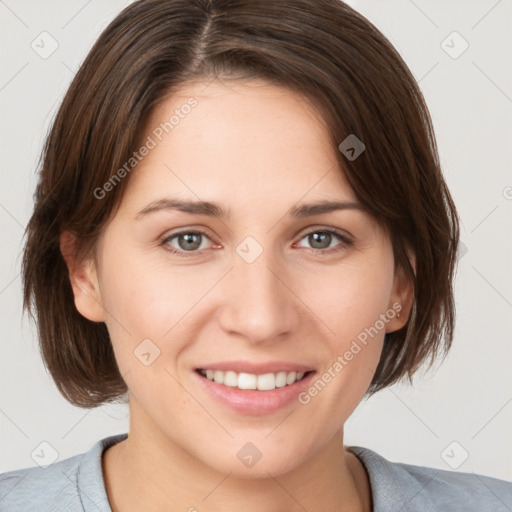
(353, 306)
(150, 299)
(348, 297)
(150, 295)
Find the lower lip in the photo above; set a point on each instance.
(255, 402)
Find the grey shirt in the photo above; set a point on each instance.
(76, 484)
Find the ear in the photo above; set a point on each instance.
(84, 280)
(402, 297)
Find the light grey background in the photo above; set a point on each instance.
(462, 409)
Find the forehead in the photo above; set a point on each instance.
(238, 141)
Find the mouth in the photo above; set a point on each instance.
(254, 394)
(251, 381)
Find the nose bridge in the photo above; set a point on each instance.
(258, 304)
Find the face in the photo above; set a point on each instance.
(259, 295)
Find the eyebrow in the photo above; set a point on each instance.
(215, 210)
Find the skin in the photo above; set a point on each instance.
(256, 149)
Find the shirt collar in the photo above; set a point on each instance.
(90, 478)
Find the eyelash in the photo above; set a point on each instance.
(345, 242)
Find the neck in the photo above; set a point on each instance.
(149, 472)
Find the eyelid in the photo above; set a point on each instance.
(320, 228)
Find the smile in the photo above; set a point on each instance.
(251, 381)
(254, 394)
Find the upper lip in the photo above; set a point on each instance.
(256, 368)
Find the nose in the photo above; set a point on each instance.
(259, 304)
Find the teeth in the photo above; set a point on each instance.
(265, 382)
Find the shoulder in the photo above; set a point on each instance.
(419, 488)
(39, 488)
(72, 484)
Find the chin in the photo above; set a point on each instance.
(260, 470)
(249, 463)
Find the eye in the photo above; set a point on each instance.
(321, 239)
(191, 242)
(187, 241)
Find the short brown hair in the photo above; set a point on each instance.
(322, 49)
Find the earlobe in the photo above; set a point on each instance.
(83, 279)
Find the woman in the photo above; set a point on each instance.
(242, 227)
